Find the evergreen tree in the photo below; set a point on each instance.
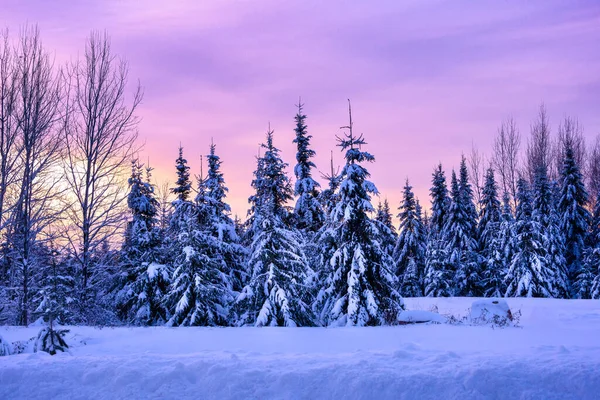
(271, 184)
(461, 246)
(466, 193)
(308, 212)
(215, 219)
(439, 200)
(200, 291)
(409, 253)
(438, 271)
(329, 196)
(528, 274)
(198, 295)
(575, 220)
(276, 294)
(490, 247)
(183, 184)
(592, 256)
(56, 292)
(544, 213)
(359, 287)
(387, 231)
(143, 275)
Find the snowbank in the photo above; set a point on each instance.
(555, 355)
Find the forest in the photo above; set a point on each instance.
(86, 237)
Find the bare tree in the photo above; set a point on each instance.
(593, 172)
(506, 156)
(8, 132)
(476, 164)
(164, 197)
(37, 123)
(539, 146)
(570, 132)
(100, 134)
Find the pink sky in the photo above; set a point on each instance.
(426, 78)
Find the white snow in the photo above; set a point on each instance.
(555, 354)
(485, 310)
(419, 316)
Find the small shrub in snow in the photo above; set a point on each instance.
(51, 341)
(483, 310)
(20, 347)
(4, 347)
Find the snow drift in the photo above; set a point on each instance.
(554, 355)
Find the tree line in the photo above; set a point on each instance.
(84, 244)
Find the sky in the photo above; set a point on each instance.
(427, 79)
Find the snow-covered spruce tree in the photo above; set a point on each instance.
(592, 255)
(182, 190)
(329, 197)
(276, 294)
(461, 245)
(360, 287)
(183, 184)
(466, 193)
(544, 213)
(144, 275)
(387, 231)
(308, 212)
(56, 292)
(528, 274)
(198, 294)
(53, 307)
(409, 253)
(488, 234)
(215, 219)
(574, 223)
(440, 203)
(438, 271)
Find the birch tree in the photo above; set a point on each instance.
(100, 134)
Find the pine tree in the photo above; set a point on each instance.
(200, 292)
(308, 212)
(575, 220)
(505, 244)
(439, 200)
(56, 292)
(183, 185)
(528, 274)
(215, 219)
(329, 196)
(276, 294)
(592, 256)
(466, 193)
(461, 246)
(359, 287)
(409, 253)
(544, 213)
(489, 245)
(385, 225)
(271, 184)
(198, 295)
(438, 270)
(144, 276)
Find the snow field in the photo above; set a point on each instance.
(554, 355)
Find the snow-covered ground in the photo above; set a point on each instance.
(554, 355)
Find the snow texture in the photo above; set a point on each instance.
(555, 355)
